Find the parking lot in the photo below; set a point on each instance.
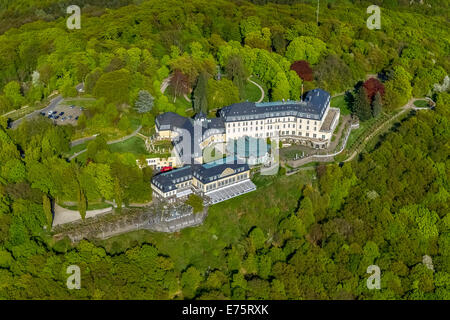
(64, 114)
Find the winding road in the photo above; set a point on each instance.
(409, 106)
(53, 104)
(165, 83)
(109, 142)
(260, 88)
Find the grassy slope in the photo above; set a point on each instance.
(421, 103)
(225, 225)
(252, 92)
(134, 145)
(339, 102)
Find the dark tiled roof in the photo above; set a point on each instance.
(170, 121)
(206, 128)
(216, 123)
(167, 181)
(313, 107)
(200, 116)
(206, 173)
(210, 172)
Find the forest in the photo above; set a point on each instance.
(295, 237)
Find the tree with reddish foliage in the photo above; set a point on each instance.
(303, 70)
(373, 86)
(180, 84)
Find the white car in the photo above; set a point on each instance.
(50, 112)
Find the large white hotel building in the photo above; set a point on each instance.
(310, 122)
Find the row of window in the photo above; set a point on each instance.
(247, 123)
(225, 182)
(286, 133)
(178, 180)
(271, 115)
(270, 127)
(185, 184)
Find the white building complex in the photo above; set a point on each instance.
(310, 121)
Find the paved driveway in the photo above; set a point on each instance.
(52, 105)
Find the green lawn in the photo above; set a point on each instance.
(365, 128)
(252, 92)
(76, 149)
(339, 102)
(134, 145)
(311, 164)
(421, 103)
(356, 133)
(82, 158)
(226, 224)
(91, 206)
(135, 122)
(79, 102)
(180, 104)
(19, 113)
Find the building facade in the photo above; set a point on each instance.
(311, 121)
(216, 181)
(158, 163)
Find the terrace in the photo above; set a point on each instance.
(231, 191)
(331, 120)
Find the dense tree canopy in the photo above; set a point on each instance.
(294, 237)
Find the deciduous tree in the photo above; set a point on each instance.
(303, 69)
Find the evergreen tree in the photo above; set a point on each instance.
(236, 71)
(200, 94)
(144, 102)
(361, 105)
(377, 105)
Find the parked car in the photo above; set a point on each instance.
(70, 117)
(76, 118)
(50, 112)
(61, 113)
(42, 113)
(50, 117)
(55, 112)
(72, 106)
(165, 169)
(56, 118)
